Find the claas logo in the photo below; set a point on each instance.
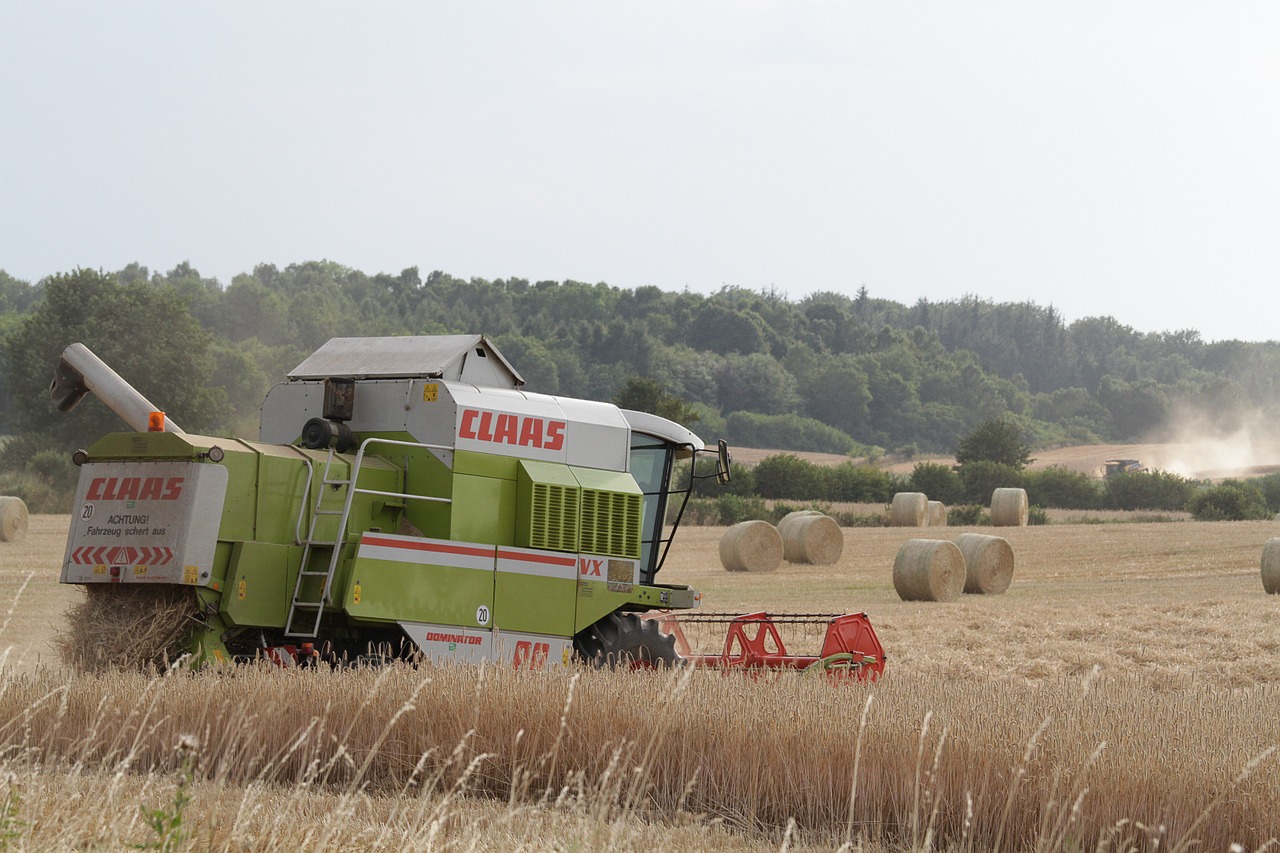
(134, 489)
(515, 430)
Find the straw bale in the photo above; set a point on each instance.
(1271, 566)
(13, 519)
(928, 570)
(128, 626)
(937, 515)
(910, 509)
(988, 562)
(1009, 508)
(811, 538)
(752, 546)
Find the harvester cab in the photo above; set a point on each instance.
(405, 493)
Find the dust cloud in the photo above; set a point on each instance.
(1200, 446)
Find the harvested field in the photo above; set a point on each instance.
(991, 706)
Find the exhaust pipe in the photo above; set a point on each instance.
(80, 371)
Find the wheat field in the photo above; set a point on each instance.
(1119, 696)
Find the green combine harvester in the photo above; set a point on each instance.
(405, 498)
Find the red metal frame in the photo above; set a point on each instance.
(850, 648)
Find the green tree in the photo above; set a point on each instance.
(939, 482)
(997, 440)
(142, 330)
(1063, 488)
(790, 477)
(1230, 500)
(646, 395)
(1161, 490)
(982, 477)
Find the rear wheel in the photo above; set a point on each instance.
(624, 640)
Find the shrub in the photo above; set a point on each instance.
(1270, 486)
(979, 479)
(1062, 488)
(968, 515)
(939, 482)
(1149, 490)
(859, 484)
(789, 477)
(39, 496)
(1231, 500)
(735, 508)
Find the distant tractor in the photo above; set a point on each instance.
(1116, 467)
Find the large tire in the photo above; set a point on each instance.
(624, 640)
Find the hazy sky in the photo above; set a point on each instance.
(1105, 158)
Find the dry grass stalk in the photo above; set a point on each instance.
(1001, 764)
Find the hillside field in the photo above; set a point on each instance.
(1122, 692)
(1198, 459)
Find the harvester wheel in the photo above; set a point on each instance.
(626, 640)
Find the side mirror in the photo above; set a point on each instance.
(722, 462)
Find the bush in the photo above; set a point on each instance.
(979, 479)
(1231, 500)
(939, 482)
(968, 515)
(781, 510)
(789, 477)
(734, 509)
(40, 497)
(1270, 486)
(1062, 488)
(859, 484)
(1149, 490)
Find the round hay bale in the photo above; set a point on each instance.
(937, 514)
(910, 509)
(788, 521)
(988, 562)
(814, 538)
(128, 626)
(13, 519)
(1009, 508)
(928, 570)
(752, 546)
(1271, 566)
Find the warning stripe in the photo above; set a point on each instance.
(543, 564)
(426, 552)
(121, 555)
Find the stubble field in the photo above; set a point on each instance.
(1120, 695)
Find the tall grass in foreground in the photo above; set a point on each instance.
(915, 762)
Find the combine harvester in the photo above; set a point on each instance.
(406, 498)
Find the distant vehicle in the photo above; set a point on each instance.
(1116, 467)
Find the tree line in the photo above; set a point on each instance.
(854, 374)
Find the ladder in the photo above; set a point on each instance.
(305, 612)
